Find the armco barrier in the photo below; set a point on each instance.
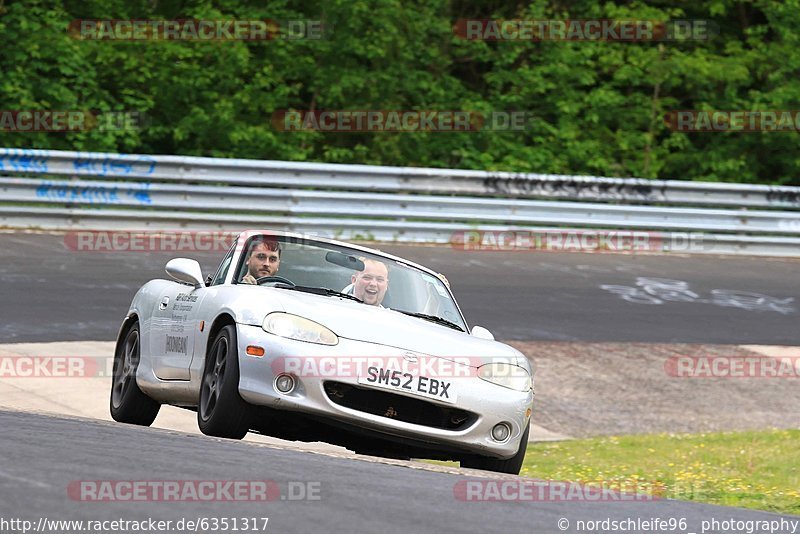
(63, 190)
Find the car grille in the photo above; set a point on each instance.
(398, 407)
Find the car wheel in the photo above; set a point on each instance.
(222, 412)
(128, 403)
(511, 465)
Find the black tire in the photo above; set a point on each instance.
(221, 412)
(511, 465)
(127, 403)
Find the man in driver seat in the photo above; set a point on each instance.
(264, 260)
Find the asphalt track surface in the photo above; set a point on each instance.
(52, 293)
(42, 455)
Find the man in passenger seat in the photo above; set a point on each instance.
(370, 285)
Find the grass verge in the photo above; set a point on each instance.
(759, 470)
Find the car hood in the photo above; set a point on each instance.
(383, 326)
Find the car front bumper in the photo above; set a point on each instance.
(486, 404)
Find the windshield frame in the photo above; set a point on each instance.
(244, 239)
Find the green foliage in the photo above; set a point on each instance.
(598, 107)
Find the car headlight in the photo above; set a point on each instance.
(299, 328)
(506, 375)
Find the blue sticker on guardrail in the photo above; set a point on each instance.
(99, 194)
(23, 160)
(114, 164)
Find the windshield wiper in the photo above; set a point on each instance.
(324, 291)
(433, 319)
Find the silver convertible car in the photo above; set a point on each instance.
(310, 339)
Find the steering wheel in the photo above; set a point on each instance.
(276, 279)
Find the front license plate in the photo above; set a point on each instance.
(432, 388)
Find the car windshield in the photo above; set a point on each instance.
(371, 278)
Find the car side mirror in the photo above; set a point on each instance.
(185, 270)
(481, 332)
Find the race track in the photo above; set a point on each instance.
(43, 455)
(52, 293)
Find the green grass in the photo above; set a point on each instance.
(758, 470)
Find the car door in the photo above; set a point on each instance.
(173, 330)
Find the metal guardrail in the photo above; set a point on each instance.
(102, 191)
(258, 173)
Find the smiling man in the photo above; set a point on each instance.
(370, 285)
(264, 260)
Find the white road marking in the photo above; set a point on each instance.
(28, 481)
